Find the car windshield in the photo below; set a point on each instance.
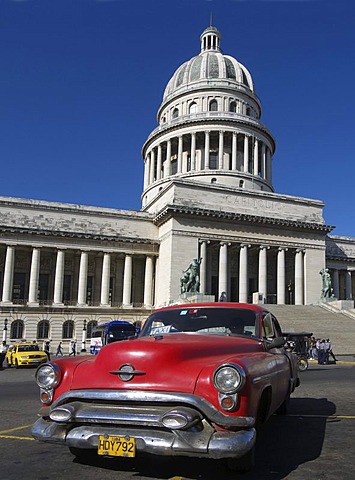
(209, 320)
(28, 348)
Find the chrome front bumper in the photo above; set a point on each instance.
(139, 415)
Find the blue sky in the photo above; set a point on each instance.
(81, 82)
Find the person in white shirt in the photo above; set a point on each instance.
(3, 350)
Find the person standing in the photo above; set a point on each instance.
(322, 353)
(330, 350)
(3, 350)
(59, 349)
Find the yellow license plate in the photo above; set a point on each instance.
(116, 446)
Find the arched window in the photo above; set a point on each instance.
(68, 329)
(241, 183)
(90, 327)
(43, 329)
(175, 112)
(247, 111)
(213, 180)
(17, 329)
(213, 107)
(193, 107)
(233, 107)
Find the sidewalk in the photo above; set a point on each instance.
(341, 360)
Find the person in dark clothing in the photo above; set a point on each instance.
(47, 349)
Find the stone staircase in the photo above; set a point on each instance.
(337, 326)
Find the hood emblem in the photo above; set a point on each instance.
(126, 372)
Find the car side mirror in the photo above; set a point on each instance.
(277, 342)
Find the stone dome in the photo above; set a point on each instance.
(210, 66)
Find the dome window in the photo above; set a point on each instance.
(247, 111)
(214, 180)
(233, 107)
(241, 183)
(175, 113)
(213, 107)
(193, 107)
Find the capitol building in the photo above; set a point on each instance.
(208, 194)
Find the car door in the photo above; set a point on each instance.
(271, 329)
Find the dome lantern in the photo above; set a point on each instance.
(210, 40)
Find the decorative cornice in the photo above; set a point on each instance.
(86, 236)
(170, 210)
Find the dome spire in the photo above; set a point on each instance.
(210, 39)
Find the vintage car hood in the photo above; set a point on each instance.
(170, 362)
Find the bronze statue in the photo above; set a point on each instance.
(190, 279)
(327, 291)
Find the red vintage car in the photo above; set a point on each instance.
(198, 381)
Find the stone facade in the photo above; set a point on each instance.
(207, 194)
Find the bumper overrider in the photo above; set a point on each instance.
(161, 423)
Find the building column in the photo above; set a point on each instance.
(263, 161)
(336, 283)
(179, 158)
(246, 153)
(203, 267)
(59, 278)
(234, 151)
(281, 278)
(105, 280)
(167, 163)
(148, 281)
(8, 274)
(152, 166)
(146, 171)
(83, 278)
(127, 281)
(243, 274)
(256, 158)
(159, 163)
(207, 150)
(299, 278)
(262, 280)
(268, 166)
(220, 150)
(193, 151)
(348, 285)
(34, 277)
(223, 269)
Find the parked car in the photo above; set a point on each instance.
(198, 381)
(25, 354)
(299, 343)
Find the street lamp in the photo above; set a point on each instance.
(83, 340)
(4, 333)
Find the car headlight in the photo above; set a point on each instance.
(229, 378)
(48, 376)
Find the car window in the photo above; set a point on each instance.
(206, 320)
(268, 327)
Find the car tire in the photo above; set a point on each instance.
(302, 364)
(243, 464)
(16, 364)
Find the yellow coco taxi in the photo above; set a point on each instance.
(21, 354)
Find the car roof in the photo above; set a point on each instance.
(247, 306)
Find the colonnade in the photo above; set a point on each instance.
(81, 299)
(342, 289)
(298, 271)
(192, 152)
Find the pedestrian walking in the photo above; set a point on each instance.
(47, 349)
(73, 348)
(60, 349)
(3, 350)
(330, 350)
